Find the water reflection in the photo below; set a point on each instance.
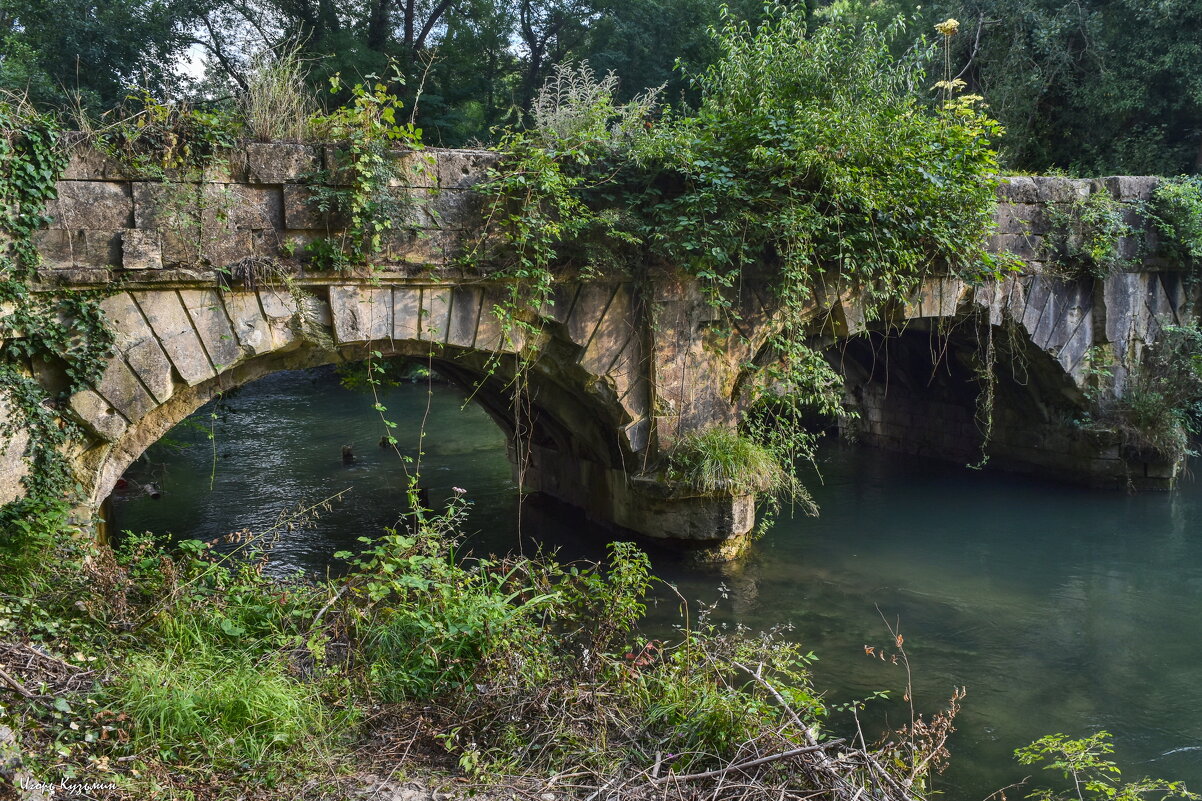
(1061, 609)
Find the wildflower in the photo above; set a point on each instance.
(948, 27)
(458, 490)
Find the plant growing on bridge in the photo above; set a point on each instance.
(358, 189)
(64, 331)
(815, 167)
(1084, 239)
(1176, 211)
(721, 461)
(1159, 406)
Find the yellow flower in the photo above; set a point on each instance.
(948, 27)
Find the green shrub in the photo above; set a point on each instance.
(1176, 210)
(1160, 405)
(1093, 776)
(1083, 241)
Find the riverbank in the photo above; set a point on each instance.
(192, 672)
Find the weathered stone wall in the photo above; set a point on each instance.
(210, 289)
(109, 224)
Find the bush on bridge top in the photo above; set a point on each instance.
(822, 151)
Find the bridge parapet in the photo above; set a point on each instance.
(259, 207)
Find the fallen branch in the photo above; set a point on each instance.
(16, 685)
(752, 764)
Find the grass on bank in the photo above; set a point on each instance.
(209, 677)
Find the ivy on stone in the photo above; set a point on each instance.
(60, 331)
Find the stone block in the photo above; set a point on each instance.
(1129, 188)
(361, 314)
(63, 249)
(465, 313)
(91, 205)
(406, 312)
(280, 163)
(301, 212)
(461, 169)
(86, 163)
(141, 250)
(98, 415)
(1018, 189)
(1125, 311)
(416, 168)
(1036, 290)
(587, 312)
(1054, 189)
(180, 251)
(414, 246)
(436, 313)
(168, 318)
(251, 208)
(559, 304)
(418, 208)
(1072, 354)
(147, 359)
(233, 246)
(282, 315)
(250, 325)
(119, 385)
(228, 167)
(1024, 246)
(212, 326)
(612, 333)
(1019, 218)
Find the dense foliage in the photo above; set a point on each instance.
(64, 331)
(193, 672)
(811, 168)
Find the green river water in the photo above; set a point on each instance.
(1061, 609)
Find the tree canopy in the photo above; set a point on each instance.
(1089, 86)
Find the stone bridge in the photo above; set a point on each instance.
(208, 288)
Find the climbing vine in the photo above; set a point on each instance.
(63, 332)
(1083, 239)
(1176, 212)
(358, 191)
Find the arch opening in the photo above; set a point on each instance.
(931, 389)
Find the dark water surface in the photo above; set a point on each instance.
(1060, 609)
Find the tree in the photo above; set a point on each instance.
(96, 48)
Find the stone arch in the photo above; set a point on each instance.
(581, 432)
(915, 380)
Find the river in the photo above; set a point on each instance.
(1060, 609)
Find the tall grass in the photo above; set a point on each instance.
(209, 707)
(721, 461)
(277, 104)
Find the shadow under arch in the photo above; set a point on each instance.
(964, 389)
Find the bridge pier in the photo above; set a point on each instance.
(710, 528)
